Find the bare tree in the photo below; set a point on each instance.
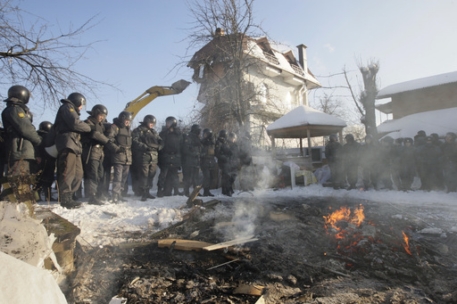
(224, 29)
(33, 56)
(365, 102)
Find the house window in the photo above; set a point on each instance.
(263, 94)
(288, 100)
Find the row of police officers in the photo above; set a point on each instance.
(90, 151)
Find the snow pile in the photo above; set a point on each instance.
(27, 284)
(23, 237)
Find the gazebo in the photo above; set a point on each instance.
(305, 122)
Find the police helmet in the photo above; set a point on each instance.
(97, 110)
(333, 137)
(222, 134)
(19, 92)
(408, 140)
(195, 129)
(171, 122)
(349, 137)
(77, 99)
(232, 136)
(149, 119)
(124, 116)
(207, 133)
(45, 126)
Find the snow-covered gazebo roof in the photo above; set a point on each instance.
(302, 119)
(438, 121)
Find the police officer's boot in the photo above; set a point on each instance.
(186, 191)
(160, 192)
(93, 200)
(144, 196)
(68, 202)
(207, 193)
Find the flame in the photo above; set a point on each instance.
(344, 214)
(406, 243)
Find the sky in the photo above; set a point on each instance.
(141, 42)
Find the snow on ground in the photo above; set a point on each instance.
(104, 225)
(23, 283)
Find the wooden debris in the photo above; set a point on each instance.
(281, 216)
(226, 263)
(230, 243)
(193, 195)
(252, 290)
(186, 245)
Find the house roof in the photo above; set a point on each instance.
(217, 50)
(438, 121)
(297, 122)
(417, 84)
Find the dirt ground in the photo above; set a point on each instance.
(298, 257)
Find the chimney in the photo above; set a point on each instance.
(302, 57)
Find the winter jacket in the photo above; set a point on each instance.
(207, 157)
(94, 141)
(333, 152)
(22, 137)
(170, 155)
(191, 150)
(120, 143)
(69, 128)
(146, 144)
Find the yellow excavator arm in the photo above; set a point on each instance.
(150, 94)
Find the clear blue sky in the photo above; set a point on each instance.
(142, 40)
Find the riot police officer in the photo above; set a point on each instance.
(22, 137)
(68, 128)
(47, 165)
(169, 157)
(207, 160)
(93, 154)
(146, 145)
(120, 146)
(191, 158)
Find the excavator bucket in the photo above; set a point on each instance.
(150, 94)
(180, 85)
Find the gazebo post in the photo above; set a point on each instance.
(301, 146)
(308, 133)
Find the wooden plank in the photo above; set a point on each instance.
(230, 243)
(193, 195)
(253, 290)
(186, 245)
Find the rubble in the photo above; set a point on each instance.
(382, 259)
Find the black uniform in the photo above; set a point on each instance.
(449, 162)
(47, 168)
(333, 154)
(247, 171)
(369, 163)
(351, 161)
(146, 144)
(428, 158)
(68, 143)
(22, 137)
(191, 150)
(169, 161)
(228, 158)
(120, 147)
(407, 165)
(92, 157)
(207, 162)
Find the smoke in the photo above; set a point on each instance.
(243, 221)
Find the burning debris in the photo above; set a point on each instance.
(310, 250)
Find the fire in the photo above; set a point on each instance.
(344, 224)
(406, 243)
(344, 214)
